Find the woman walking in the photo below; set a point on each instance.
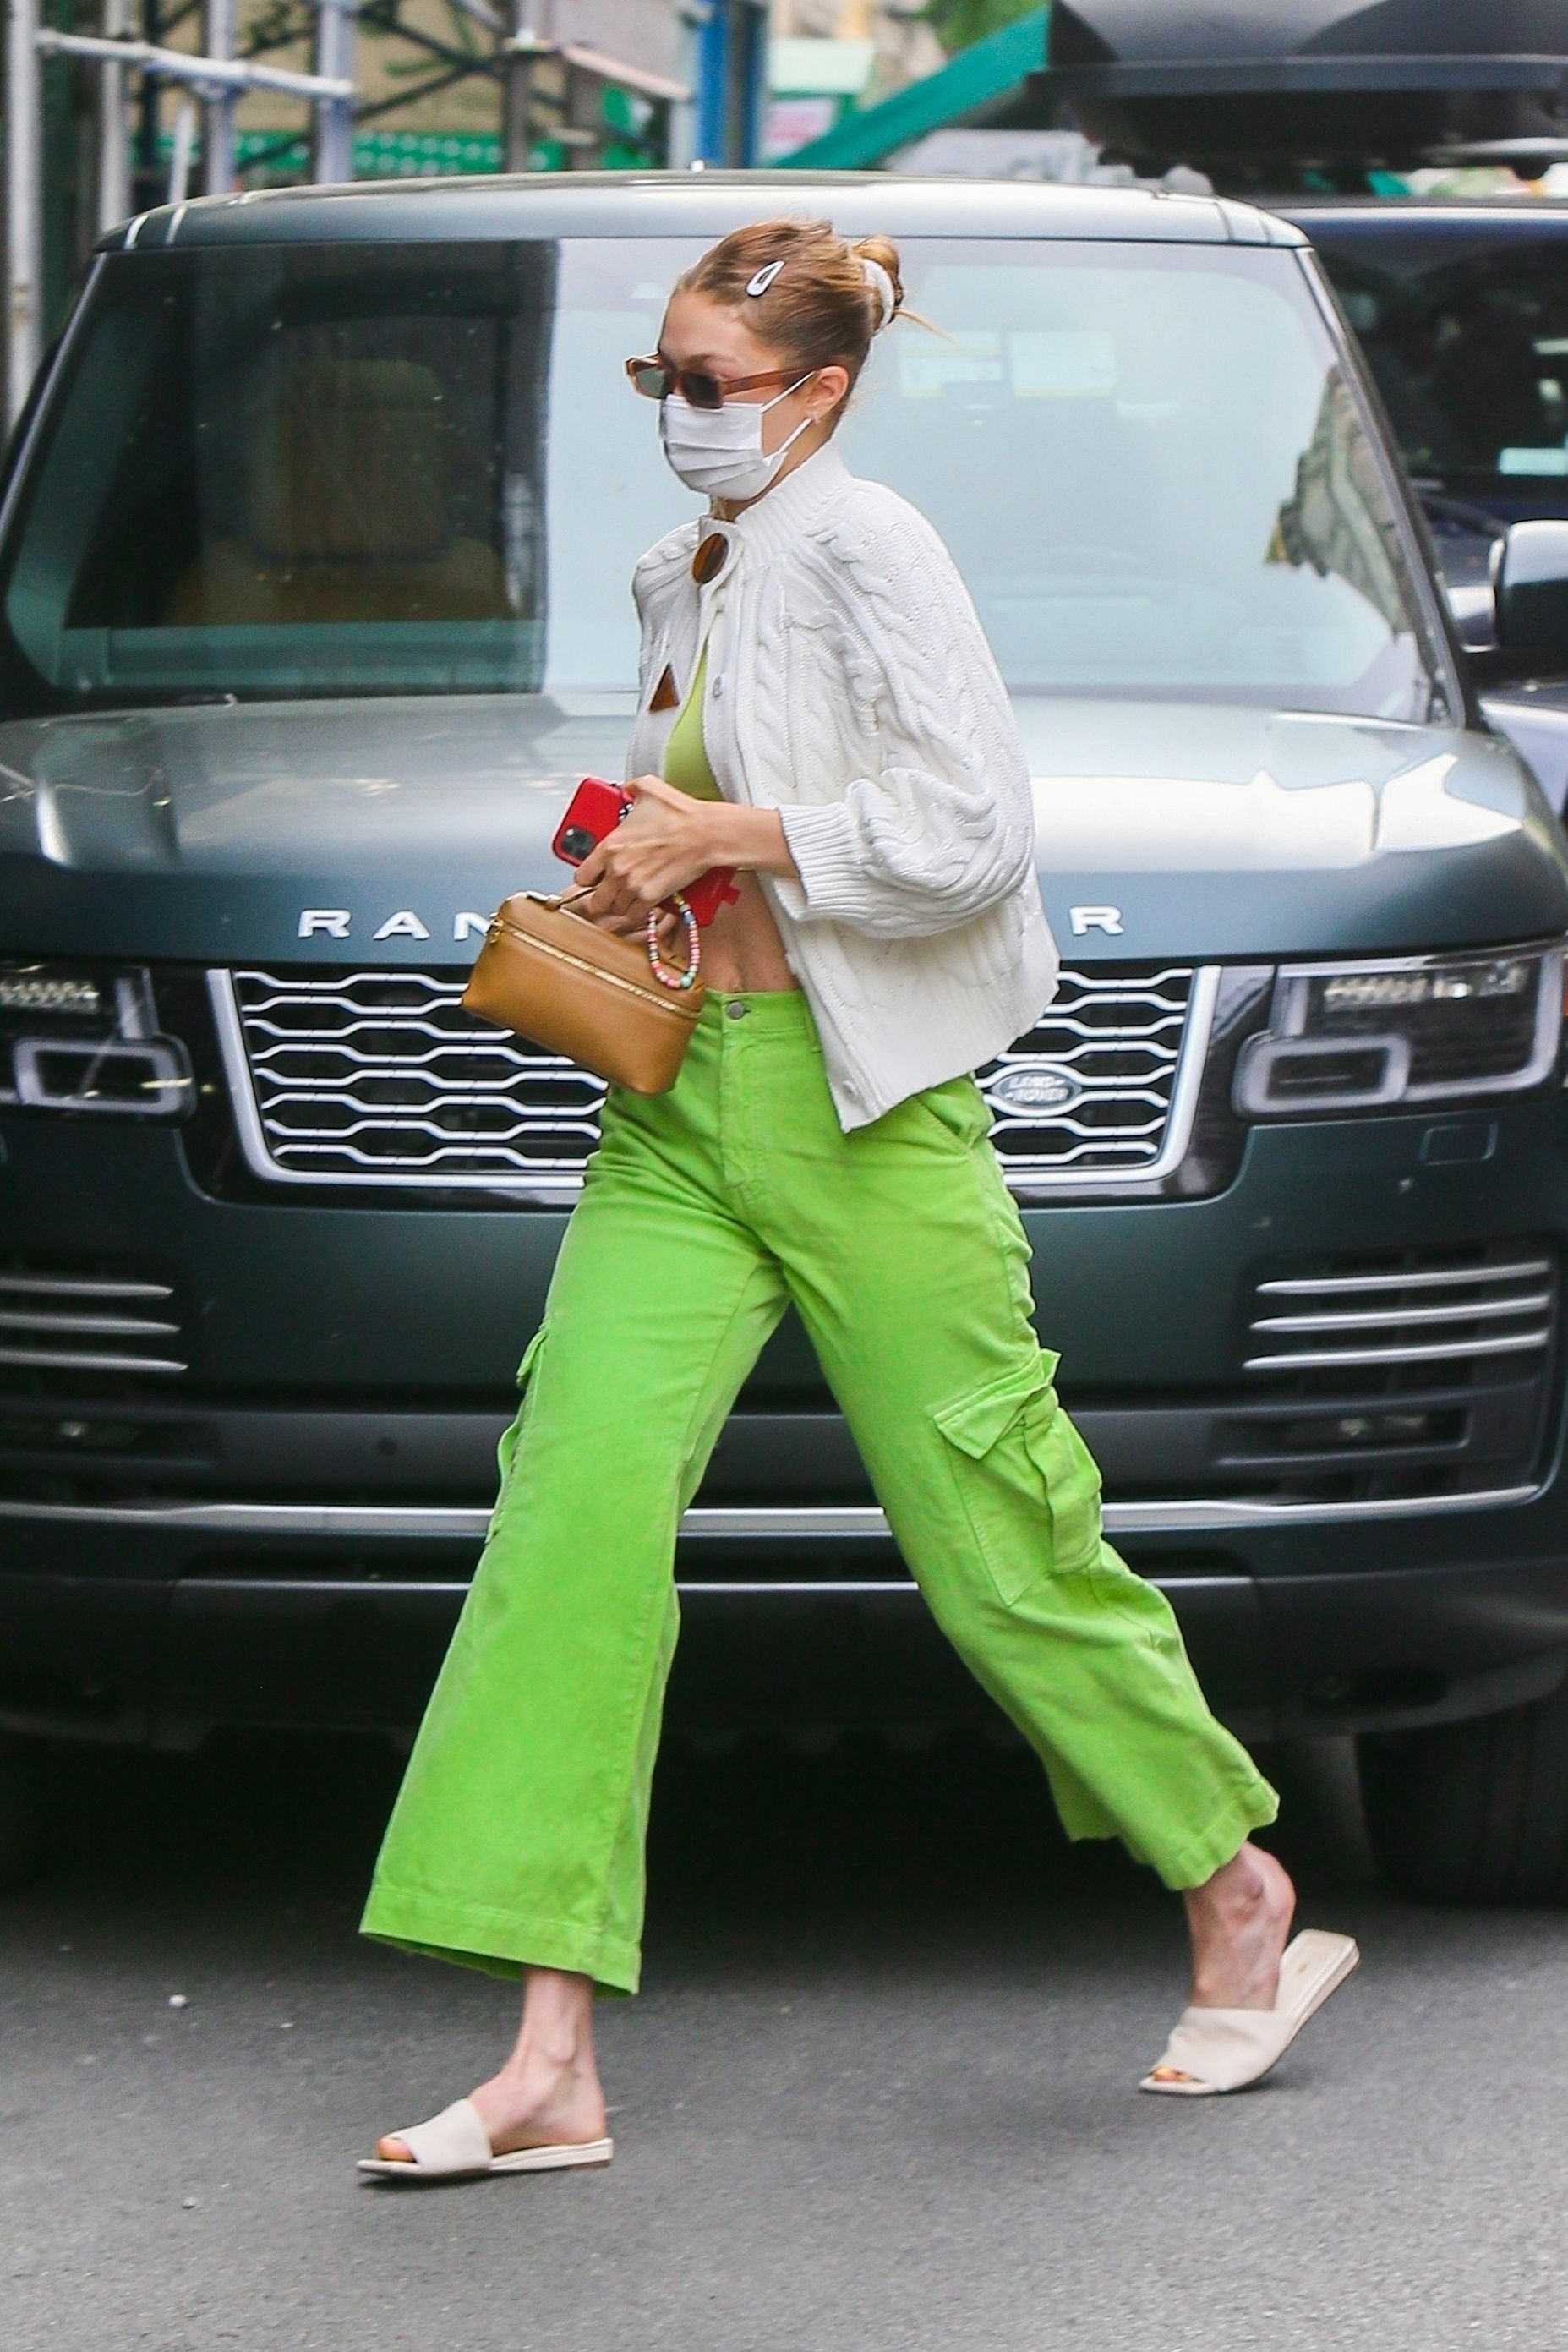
(819, 710)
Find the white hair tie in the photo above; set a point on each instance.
(881, 284)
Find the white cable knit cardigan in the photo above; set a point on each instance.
(850, 685)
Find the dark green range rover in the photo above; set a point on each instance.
(313, 608)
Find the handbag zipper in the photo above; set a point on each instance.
(664, 1003)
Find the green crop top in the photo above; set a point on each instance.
(685, 754)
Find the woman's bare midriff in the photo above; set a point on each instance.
(741, 946)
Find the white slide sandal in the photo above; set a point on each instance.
(456, 2143)
(1226, 2049)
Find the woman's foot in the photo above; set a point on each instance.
(547, 2094)
(1239, 1921)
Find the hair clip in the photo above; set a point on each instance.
(764, 278)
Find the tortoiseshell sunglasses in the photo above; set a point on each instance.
(655, 380)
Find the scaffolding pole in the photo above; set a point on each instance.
(332, 137)
(113, 101)
(23, 204)
(218, 129)
(521, 50)
(178, 65)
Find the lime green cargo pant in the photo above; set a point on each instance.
(517, 1834)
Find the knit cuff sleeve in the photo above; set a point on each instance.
(824, 842)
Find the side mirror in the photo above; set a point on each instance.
(1529, 583)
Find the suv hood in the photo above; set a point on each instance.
(1165, 829)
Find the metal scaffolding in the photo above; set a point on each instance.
(130, 71)
(214, 81)
(24, 201)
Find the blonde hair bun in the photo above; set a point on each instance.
(814, 297)
(878, 258)
(882, 286)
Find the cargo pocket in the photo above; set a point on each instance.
(507, 1446)
(1028, 1482)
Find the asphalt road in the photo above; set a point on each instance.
(877, 2095)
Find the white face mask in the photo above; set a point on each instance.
(719, 451)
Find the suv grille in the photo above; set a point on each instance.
(1090, 1091)
(1428, 1308)
(1394, 1375)
(380, 1077)
(356, 1077)
(56, 1324)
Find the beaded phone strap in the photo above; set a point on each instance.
(672, 975)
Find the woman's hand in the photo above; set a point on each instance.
(664, 843)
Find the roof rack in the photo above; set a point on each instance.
(1246, 89)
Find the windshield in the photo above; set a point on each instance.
(1464, 327)
(315, 470)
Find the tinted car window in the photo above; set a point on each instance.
(348, 470)
(1468, 338)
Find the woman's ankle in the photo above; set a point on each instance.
(536, 2078)
(556, 2022)
(1251, 1880)
(1237, 1920)
(550, 2051)
(538, 2098)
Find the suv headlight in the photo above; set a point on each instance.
(1420, 1029)
(84, 1037)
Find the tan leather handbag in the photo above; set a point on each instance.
(583, 992)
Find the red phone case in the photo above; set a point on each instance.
(597, 807)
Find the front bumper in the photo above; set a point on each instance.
(145, 1637)
(296, 1546)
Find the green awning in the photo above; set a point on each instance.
(977, 80)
